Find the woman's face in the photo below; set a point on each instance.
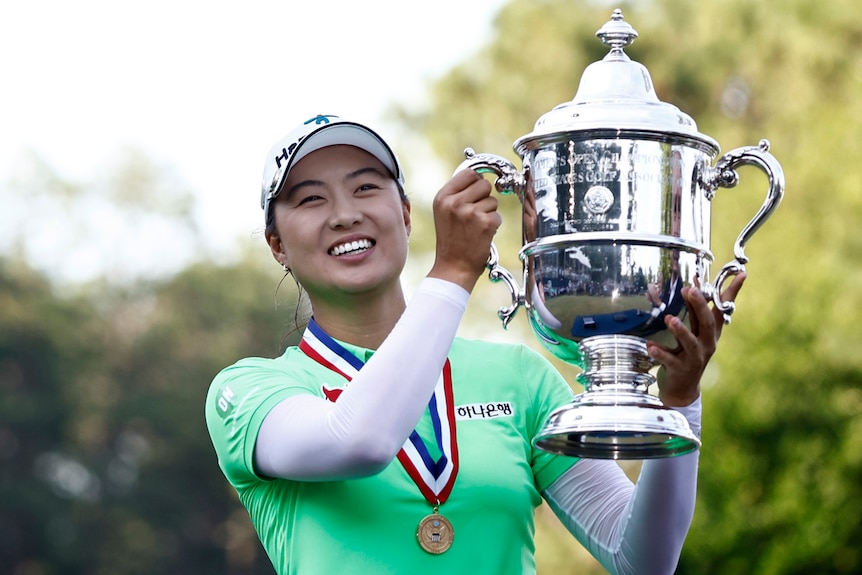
(341, 225)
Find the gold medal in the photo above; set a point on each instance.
(435, 533)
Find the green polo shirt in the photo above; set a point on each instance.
(503, 395)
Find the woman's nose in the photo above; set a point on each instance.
(345, 213)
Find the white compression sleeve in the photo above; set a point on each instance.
(308, 438)
(631, 529)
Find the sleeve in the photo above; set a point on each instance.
(308, 439)
(630, 529)
(238, 400)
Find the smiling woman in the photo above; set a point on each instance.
(341, 227)
(383, 443)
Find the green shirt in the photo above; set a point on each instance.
(503, 395)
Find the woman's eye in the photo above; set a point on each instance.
(309, 199)
(367, 187)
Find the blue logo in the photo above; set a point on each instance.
(319, 120)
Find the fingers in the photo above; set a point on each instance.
(704, 328)
(729, 294)
(467, 184)
(466, 219)
(467, 193)
(663, 354)
(684, 366)
(732, 291)
(705, 321)
(699, 340)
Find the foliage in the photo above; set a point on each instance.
(780, 469)
(107, 466)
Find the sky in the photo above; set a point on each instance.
(207, 87)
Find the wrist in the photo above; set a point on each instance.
(679, 400)
(444, 289)
(462, 278)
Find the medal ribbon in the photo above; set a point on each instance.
(435, 479)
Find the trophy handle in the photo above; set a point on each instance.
(509, 181)
(497, 273)
(724, 175)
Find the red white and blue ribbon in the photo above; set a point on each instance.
(435, 479)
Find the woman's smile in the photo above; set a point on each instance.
(352, 248)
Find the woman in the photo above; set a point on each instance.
(383, 443)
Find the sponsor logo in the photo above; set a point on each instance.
(287, 151)
(488, 410)
(225, 404)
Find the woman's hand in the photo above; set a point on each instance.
(679, 384)
(466, 219)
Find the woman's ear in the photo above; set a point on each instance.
(277, 249)
(405, 208)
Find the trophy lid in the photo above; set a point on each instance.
(616, 95)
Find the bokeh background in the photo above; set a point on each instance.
(133, 268)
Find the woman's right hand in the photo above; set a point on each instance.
(466, 219)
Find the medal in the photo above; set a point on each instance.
(434, 479)
(435, 533)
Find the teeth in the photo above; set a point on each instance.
(359, 245)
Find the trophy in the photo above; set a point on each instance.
(616, 192)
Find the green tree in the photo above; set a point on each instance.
(106, 462)
(781, 467)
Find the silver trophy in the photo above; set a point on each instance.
(616, 191)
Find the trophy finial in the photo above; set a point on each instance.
(617, 33)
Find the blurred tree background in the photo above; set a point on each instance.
(105, 463)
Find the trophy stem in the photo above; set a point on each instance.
(615, 362)
(615, 417)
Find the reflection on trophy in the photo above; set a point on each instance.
(616, 190)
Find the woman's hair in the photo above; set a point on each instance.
(301, 312)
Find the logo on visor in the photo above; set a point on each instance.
(319, 120)
(288, 151)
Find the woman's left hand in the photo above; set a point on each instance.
(683, 367)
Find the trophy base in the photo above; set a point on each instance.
(615, 418)
(601, 425)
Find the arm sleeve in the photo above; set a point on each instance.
(631, 529)
(308, 438)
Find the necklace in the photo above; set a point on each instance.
(434, 478)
